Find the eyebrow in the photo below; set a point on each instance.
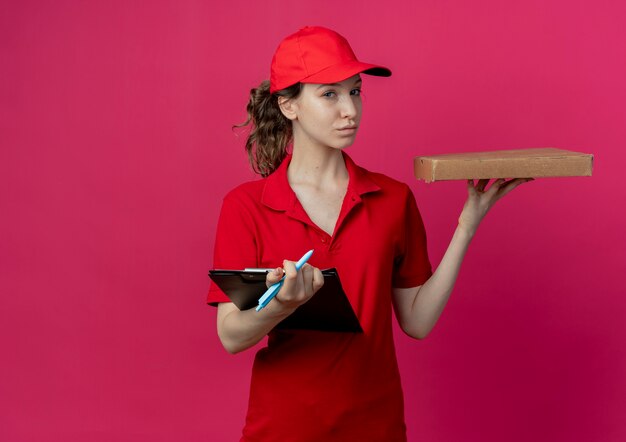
(337, 84)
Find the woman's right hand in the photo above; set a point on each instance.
(239, 330)
(299, 286)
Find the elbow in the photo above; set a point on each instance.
(228, 341)
(420, 336)
(230, 349)
(234, 337)
(231, 346)
(416, 332)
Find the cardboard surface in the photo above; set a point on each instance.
(521, 163)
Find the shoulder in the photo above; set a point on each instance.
(249, 191)
(244, 200)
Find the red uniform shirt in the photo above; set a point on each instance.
(323, 386)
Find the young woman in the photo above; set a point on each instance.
(322, 386)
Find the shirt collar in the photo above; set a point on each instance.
(278, 194)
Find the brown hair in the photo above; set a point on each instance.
(270, 132)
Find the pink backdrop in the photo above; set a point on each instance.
(116, 150)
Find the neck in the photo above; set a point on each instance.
(319, 167)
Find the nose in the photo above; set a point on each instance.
(348, 107)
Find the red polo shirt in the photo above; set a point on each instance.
(321, 386)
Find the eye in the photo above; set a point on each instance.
(329, 94)
(355, 91)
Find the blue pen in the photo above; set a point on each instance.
(275, 288)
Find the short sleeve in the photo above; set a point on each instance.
(235, 243)
(412, 266)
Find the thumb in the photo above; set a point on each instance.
(274, 276)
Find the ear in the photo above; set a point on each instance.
(288, 107)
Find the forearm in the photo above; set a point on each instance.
(240, 330)
(419, 308)
(432, 297)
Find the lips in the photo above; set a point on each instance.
(349, 131)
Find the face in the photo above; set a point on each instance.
(326, 115)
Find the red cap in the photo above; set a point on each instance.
(316, 55)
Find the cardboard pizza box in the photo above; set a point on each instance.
(521, 163)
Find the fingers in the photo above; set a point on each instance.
(479, 188)
(512, 184)
(479, 201)
(307, 278)
(495, 188)
(274, 276)
(482, 183)
(291, 274)
(318, 279)
(312, 278)
(498, 185)
(473, 189)
(299, 286)
(501, 187)
(290, 292)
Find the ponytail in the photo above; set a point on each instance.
(271, 131)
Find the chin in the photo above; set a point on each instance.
(344, 144)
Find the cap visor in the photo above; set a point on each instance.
(340, 72)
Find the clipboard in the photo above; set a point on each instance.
(328, 310)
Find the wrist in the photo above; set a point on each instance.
(278, 309)
(466, 232)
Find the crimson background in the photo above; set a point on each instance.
(116, 149)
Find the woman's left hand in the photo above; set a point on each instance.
(479, 200)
